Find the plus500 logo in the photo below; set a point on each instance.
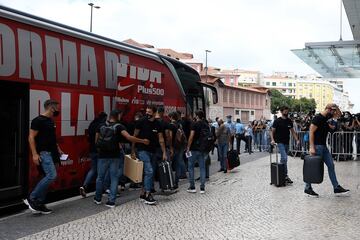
(151, 90)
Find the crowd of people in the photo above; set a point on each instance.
(186, 141)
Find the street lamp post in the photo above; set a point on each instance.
(91, 14)
(206, 66)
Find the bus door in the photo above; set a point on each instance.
(14, 104)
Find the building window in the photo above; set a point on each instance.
(273, 84)
(252, 113)
(237, 97)
(231, 96)
(290, 84)
(225, 95)
(232, 81)
(237, 112)
(267, 83)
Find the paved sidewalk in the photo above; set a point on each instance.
(237, 205)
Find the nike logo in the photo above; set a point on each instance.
(122, 88)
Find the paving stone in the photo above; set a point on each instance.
(237, 205)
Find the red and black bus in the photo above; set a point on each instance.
(87, 74)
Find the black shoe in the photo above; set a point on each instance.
(97, 202)
(33, 205)
(197, 179)
(150, 200)
(288, 180)
(183, 177)
(44, 209)
(221, 170)
(142, 197)
(225, 171)
(153, 191)
(202, 190)
(110, 204)
(311, 192)
(191, 190)
(82, 191)
(339, 190)
(134, 186)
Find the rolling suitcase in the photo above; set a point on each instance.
(166, 176)
(233, 159)
(313, 170)
(277, 170)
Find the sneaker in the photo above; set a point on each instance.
(150, 200)
(288, 180)
(142, 197)
(225, 171)
(82, 192)
(44, 209)
(32, 205)
(134, 186)
(191, 190)
(110, 204)
(311, 192)
(339, 190)
(122, 188)
(221, 170)
(97, 202)
(202, 190)
(107, 191)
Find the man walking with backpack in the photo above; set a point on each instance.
(108, 139)
(178, 145)
(199, 145)
(94, 125)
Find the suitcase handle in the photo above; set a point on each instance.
(276, 153)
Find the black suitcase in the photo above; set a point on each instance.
(277, 170)
(233, 159)
(313, 170)
(166, 176)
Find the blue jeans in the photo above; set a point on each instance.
(146, 158)
(200, 158)
(283, 150)
(111, 165)
(47, 164)
(323, 151)
(179, 164)
(223, 149)
(121, 172)
(93, 170)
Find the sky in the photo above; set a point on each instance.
(245, 34)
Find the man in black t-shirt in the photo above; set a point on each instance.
(195, 154)
(319, 129)
(108, 139)
(45, 153)
(280, 134)
(149, 128)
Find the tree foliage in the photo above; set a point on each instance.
(303, 105)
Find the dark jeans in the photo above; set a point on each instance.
(239, 138)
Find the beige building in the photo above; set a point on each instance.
(284, 84)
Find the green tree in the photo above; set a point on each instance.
(295, 105)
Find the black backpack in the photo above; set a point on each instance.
(108, 141)
(206, 139)
(180, 138)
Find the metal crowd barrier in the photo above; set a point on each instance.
(342, 145)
